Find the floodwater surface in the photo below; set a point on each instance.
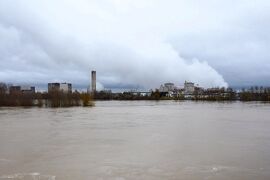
(137, 140)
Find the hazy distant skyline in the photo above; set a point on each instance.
(135, 43)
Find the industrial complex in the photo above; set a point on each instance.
(166, 91)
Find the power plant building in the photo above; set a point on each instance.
(28, 89)
(64, 87)
(14, 89)
(167, 87)
(22, 89)
(189, 88)
(93, 81)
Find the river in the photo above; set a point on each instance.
(137, 140)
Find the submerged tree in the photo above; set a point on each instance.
(156, 95)
(86, 99)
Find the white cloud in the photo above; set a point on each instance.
(128, 42)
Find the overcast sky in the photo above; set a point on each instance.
(135, 43)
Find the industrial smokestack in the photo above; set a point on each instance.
(94, 81)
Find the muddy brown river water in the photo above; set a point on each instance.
(137, 140)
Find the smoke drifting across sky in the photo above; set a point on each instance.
(134, 43)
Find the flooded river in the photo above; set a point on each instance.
(137, 140)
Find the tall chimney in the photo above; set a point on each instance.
(94, 81)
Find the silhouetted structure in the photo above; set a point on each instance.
(64, 87)
(14, 89)
(93, 81)
(28, 89)
(189, 88)
(53, 87)
(58, 96)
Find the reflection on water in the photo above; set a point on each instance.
(137, 140)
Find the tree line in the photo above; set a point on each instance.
(58, 98)
(211, 94)
(255, 94)
(54, 98)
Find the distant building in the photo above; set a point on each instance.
(147, 93)
(28, 89)
(167, 87)
(22, 89)
(14, 89)
(53, 87)
(64, 87)
(169, 90)
(189, 88)
(142, 93)
(198, 90)
(93, 81)
(170, 86)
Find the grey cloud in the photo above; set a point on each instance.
(130, 44)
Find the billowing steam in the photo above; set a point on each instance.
(125, 43)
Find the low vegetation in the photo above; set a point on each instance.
(52, 99)
(61, 99)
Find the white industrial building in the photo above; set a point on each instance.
(66, 87)
(189, 88)
(167, 87)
